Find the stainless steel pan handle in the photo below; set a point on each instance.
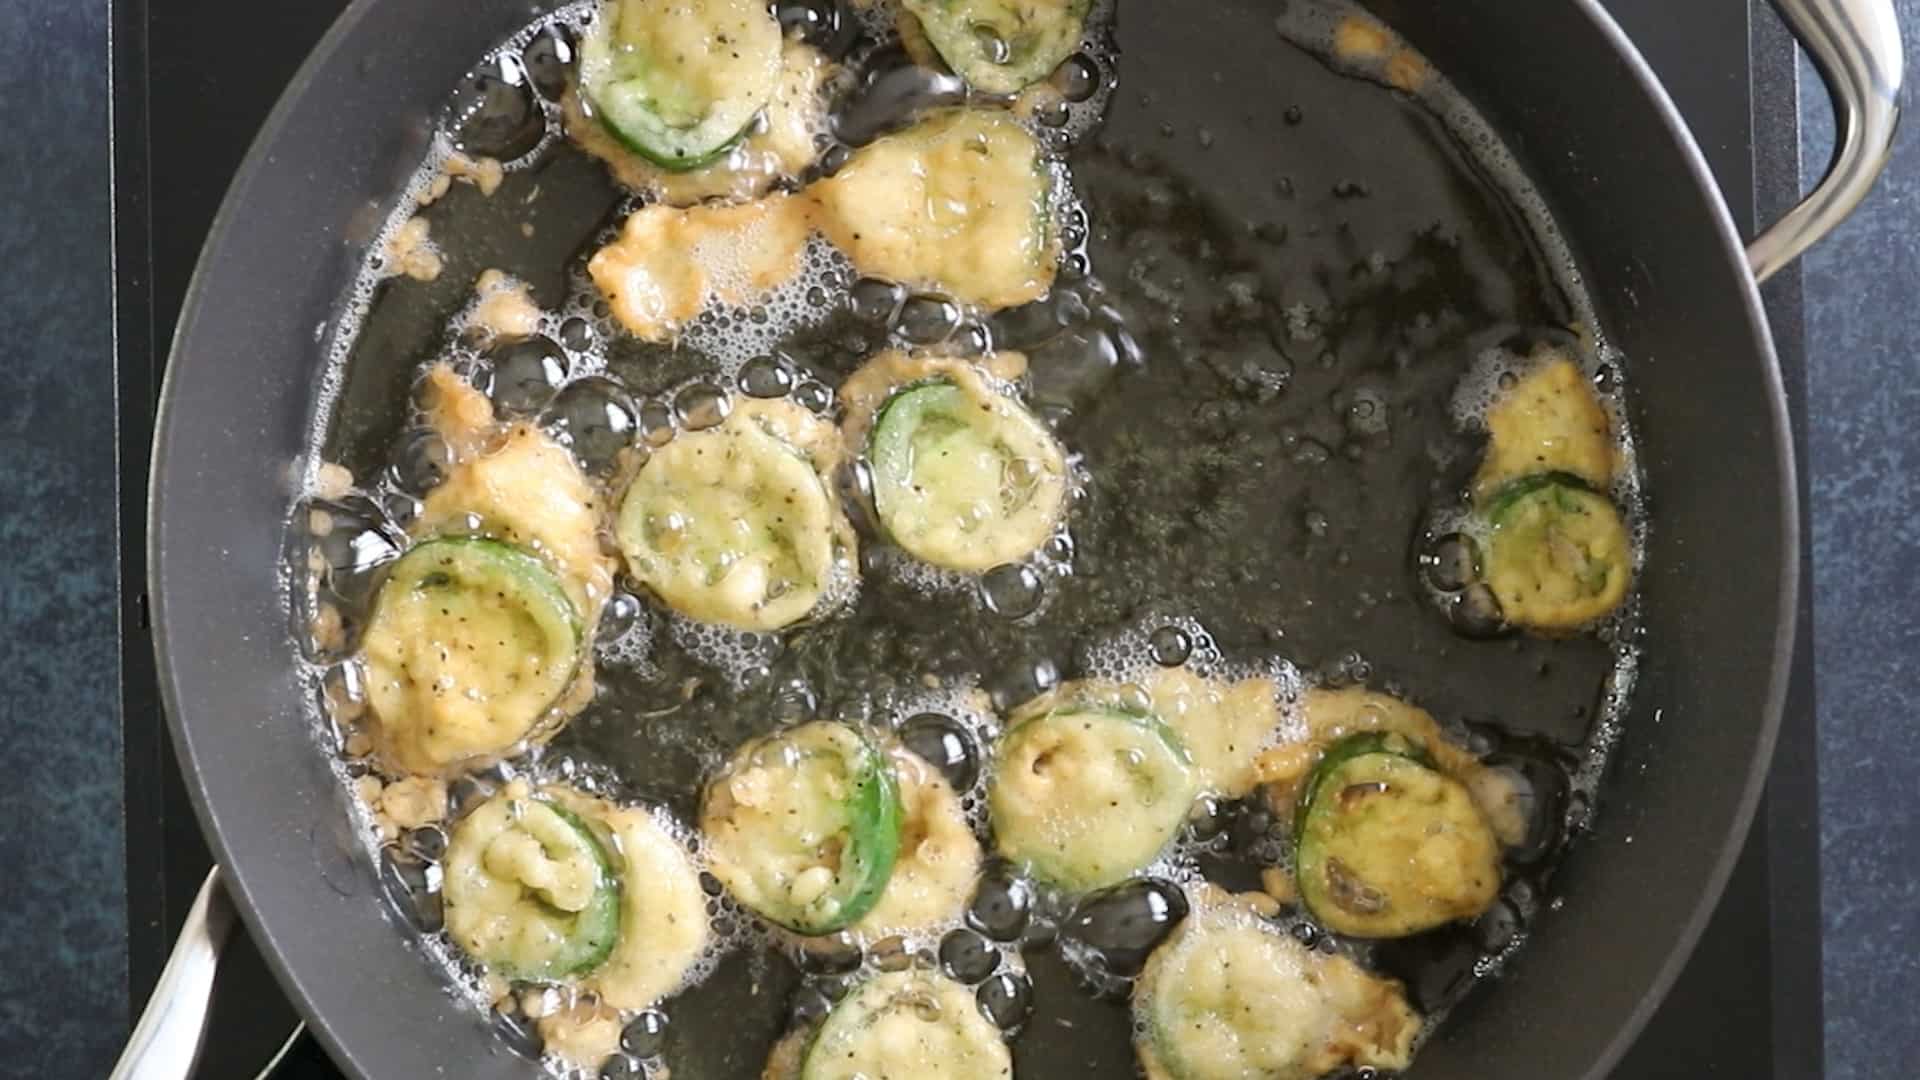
(167, 1038)
(1856, 46)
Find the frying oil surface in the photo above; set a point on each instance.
(1287, 287)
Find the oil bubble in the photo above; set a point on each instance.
(793, 702)
(342, 684)
(421, 461)
(837, 954)
(1497, 927)
(1073, 366)
(810, 1006)
(429, 842)
(701, 406)
(1077, 78)
(1209, 819)
(926, 320)
(621, 612)
(1022, 682)
(412, 886)
(622, 1067)
(1251, 830)
(855, 484)
(1012, 590)
(1024, 326)
(944, 743)
(548, 60)
(1007, 1000)
(1170, 646)
(645, 1035)
(816, 396)
(577, 334)
(891, 954)
(493, 113)
(1041, 933)
(595, 418)
(355, 543)
(1366, 414)
(526, 373)
(1476, 613)
(834, 158)
(893, 91)
(656, 422)
(1117, 928)
(1002, 904)
(974, 338)
(991, 44)
(875, 301)
(1452, 563)
(401, 508)
(816, 22)
(967, 956)
(1542, 793)
(517, 1030)
(466, 793)
(766, 377)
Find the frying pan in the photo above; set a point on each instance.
(1673, 284)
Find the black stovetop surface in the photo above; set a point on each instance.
(186, 105)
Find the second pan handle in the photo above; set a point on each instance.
(1856, 46)
(167, 1039)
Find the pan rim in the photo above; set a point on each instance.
(247, 893)
(234, 875)
(1788, 595)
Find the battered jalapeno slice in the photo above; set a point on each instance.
(778, 144)
(530, 891)
(733, 525)
(1001, 46)
(470, 642)
(957, 203)
(965, 478)
(669, 263)
(803, 826)
(1387, 845)
(1549, 421)
(907, 1024)
(680, 81)
(1231, 995)
(1558, 556)
(938, 861)
(1084, 795)
(663, 911)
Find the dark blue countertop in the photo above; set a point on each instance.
(63, 890)
(1863, 327)
(62, 866)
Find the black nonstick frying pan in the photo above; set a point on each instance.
(1675, 288)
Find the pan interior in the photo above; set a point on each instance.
(1292, 265)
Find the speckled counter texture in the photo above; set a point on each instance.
(62, 864)
(1863, 326)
